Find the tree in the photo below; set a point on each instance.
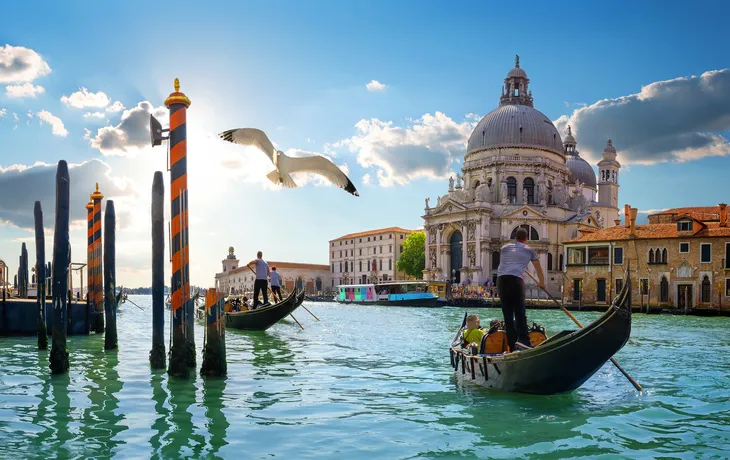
(413, 259)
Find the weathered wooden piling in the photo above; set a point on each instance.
(157, 354)
(40, 268)
(110, 277)
(61, 251)
(182, 353)
(214, 346)
(96, 197)
(24, 271)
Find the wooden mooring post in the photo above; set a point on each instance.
(157, 354)
(110, 276)
(214, 346)
(98, 290)
(40, 272)
(182, 353)
(61, 251)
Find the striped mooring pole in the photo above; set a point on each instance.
(89, 260)
(182, 352)
(214, 348)
(98, 292)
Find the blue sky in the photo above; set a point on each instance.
(299, 71)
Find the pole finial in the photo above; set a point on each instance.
(97, 186)
(517, 60)
(177, 85)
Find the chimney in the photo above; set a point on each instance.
(723, 215)
(627, 215)
(617, 222)
(634, 212)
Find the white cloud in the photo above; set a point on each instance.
(366, 179)
(57, 127)
(24, 90)
(115, 107)
(375, 86)
(19, 64)
(15, 115)
(131, 134)
(674, 120)
(84, 99)
(3, 112)
(94, 115)
(426, 147)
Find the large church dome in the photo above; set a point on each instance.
(580, 170)
(515, 123)
(515, 126)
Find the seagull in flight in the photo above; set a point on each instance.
(286, 165)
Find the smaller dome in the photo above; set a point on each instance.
(517, 72)
(609, 147)
(581, 171)
(569, 139)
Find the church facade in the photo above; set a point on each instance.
(517, 172)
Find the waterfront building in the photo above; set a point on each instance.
(681, 258)
(367, 257)
(517, 172)
(237, 279)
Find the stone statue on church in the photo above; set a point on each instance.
(438, 201)
(427, 200)
(458, 180)
(524, 196)
(505, 197)
(451, 183)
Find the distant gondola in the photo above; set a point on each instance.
(560, 364)
(264, 317)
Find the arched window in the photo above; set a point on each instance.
(346, 267)
(664, 255)
(476, 184)
(361, 265)
(512, 189)
(495, 260)
(706, 289)
(550, 261)
(390, 264)
(550, 192)
(664, 290)
(529, 185)
(560, 263)
(532, 234)
(651, 256)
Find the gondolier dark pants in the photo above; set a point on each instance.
(263, 286)
(276, 293)
(512, 297)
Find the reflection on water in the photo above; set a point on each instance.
(365, 382)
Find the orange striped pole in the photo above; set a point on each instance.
(89, 259)
(98, 294)
(214, 347)
(182, 353)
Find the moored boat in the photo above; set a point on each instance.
(263, 318)
(396, 293)
(560, 364)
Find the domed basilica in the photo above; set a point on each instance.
(518, 172)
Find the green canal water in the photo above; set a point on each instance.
(365, 382)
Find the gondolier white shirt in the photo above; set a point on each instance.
(514, 258)
(275, 279)
(261, 269)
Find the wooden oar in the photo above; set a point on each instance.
(292, 316)
(315, 317)
(463, 323)
(575, 320)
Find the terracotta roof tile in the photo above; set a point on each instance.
(650, 231)
(698, 212)
(281, 265)
(373, 232)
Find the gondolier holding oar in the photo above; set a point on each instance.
(261, 283)
(514, 258)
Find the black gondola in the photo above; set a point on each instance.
(264, 317)
(560, 364)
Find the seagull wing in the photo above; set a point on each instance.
(321, 166)
(250, 136)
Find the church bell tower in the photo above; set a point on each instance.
(608, 169)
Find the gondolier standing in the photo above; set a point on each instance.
(514, 258)
(275, 285)
(261, 283)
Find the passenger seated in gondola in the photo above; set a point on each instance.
(246, 305)
(473, 334)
